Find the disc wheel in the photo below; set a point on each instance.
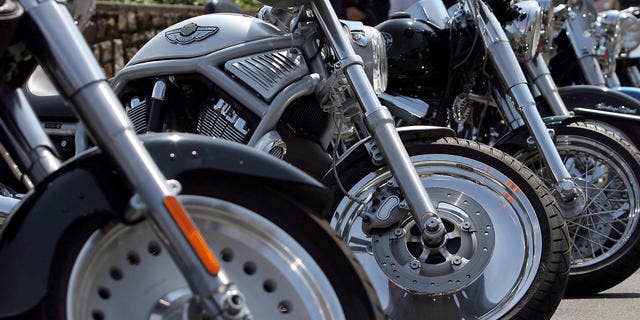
(506, 248)
(605, 240)
(124, 272)
(286, 263)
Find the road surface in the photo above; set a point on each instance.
(618, 303)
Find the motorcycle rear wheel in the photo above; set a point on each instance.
(605, 239)
(510, 261)
(123, 271)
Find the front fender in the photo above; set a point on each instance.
(88, 191)
(409, 133)
(609, 108)
(517, 139)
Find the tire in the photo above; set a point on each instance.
(444, 166)
(332, 261)
(600, 259)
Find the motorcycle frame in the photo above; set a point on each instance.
(62, 51)
(379, 120)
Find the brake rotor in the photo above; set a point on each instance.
(459, 261)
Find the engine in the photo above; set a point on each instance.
(220, 120)
(216, 118)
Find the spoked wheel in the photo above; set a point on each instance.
(505, 252)
(124, 272)
(605, 240)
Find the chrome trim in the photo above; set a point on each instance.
(305, 86)
(541, 75)
(524, 31)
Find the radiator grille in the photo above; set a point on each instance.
(268, 73)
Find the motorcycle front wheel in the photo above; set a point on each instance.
(506, 251)
(605, 237)
(122, 271)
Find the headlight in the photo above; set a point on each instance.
(618, 33)
(82, 11)
(524, 30)
(370, 45)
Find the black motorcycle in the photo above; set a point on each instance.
(105, 235)
(460, 61)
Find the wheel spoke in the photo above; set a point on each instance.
(590, 229)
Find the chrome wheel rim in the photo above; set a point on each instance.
(123, 272)
(599, 234)
(497, 282)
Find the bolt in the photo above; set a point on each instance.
(403, 205)
(172, 156)
(456, 261)
(531, 141)
(194, 153)
(432, 224)
(415, 264)
(234, 304)
(398, 232)
(466, 226)
(391, 183)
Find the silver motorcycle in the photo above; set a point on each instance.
(106, 236)
(596, 40)
(444, 227)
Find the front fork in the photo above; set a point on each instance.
(381, 125)
(583, 47)
(518, 107)
(66, 56)
(634, 75)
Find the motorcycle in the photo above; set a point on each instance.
(106, 235)
(465, 54)
(611, 109)
(587, 46)
(431, 218)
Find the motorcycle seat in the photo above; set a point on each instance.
(44, 98)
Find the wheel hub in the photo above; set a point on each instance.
(175, 305)
(451, 266)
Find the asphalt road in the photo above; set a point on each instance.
(619, 303)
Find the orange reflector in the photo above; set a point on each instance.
(192, 234)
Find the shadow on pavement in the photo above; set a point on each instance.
(615, 295)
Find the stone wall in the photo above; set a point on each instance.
(118, 30)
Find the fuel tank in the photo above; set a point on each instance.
(202, 35)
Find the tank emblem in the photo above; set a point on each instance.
(189, 33)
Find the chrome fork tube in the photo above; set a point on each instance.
(634, 75)
(379, 119)
(23, 135)
(507, 66)
(66, 56)
(541, 75)
(612, 80)
(591, 70)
